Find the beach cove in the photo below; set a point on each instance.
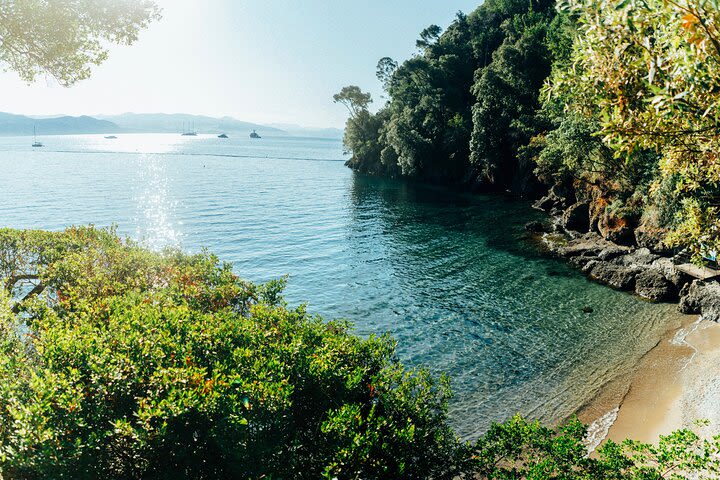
(453, 277)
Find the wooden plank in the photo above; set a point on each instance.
(702, 273)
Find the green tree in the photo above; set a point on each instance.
(648, 72)
(386, 67)
(428, 37)
(362, 135)
(65, 38)
(354, 99)
(494, 59)
(508, 97)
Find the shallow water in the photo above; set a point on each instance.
(451, 276)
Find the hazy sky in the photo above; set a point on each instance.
(257, 60)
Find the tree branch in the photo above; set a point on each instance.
(14, 279)
(35, 291)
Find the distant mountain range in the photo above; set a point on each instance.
(11, 124)
(298, 131)
(21, 125)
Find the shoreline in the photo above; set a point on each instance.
(675, 384)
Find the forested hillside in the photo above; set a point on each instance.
(613, 106)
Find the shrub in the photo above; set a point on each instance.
(134, 364)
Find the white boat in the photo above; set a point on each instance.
(35, 140)
(189, 133)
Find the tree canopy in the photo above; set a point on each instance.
(65, 38)
(649, 72)
(135, 364)
(615, 101)
(461, 85)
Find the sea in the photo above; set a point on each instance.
(453, 277)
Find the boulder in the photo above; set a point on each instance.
(577, 217)
(588, 244)
(652, 238)
(617, 276)
(545, 204)
(671, 273)
(580, 261)
(587, 268)
(641, 257)
(616, 229)
(556, 198)
(652, 284)
(703, 298)
(613, 251)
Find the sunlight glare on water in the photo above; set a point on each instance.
(155, 208)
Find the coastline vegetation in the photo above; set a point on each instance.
(615, 102)
(121, 362)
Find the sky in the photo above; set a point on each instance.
(264, 61)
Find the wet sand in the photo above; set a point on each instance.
(675, 384)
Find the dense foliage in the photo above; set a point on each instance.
(615, 101)
(125, 363)
(64, 38)
(133, 364)
(649, 73)
(486, 65)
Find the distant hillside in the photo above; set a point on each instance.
(11, 124)
(171, 123)
(299, 131)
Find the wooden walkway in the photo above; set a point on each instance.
(702, 273)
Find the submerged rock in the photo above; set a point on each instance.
(703, 298)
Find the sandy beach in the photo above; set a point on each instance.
(675, 384)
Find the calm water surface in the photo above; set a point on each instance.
(452, 277)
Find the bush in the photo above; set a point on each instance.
(134, 364)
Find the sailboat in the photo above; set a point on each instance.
(189, 133)
(35, 141)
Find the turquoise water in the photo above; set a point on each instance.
(452, 277)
